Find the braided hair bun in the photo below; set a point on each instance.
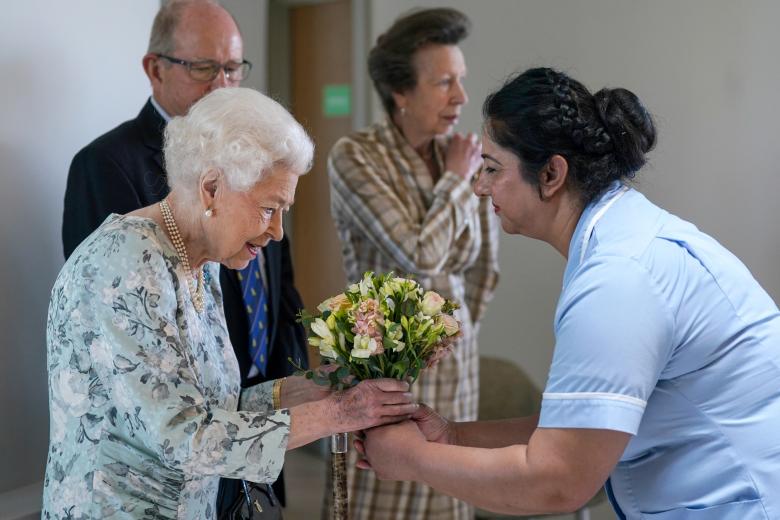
(629, 124)
(543, 112)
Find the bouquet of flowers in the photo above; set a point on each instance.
(382, 326)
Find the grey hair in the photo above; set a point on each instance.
(161, 41)
(239, 132)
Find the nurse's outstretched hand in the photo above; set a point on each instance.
(390, 450)
(433, 426)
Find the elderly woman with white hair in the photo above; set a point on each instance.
(146, 408)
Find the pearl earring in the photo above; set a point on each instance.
(403, 111)
(209, 212)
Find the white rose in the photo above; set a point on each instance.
(432, 303)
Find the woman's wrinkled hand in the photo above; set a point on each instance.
(298, 390)
(317, 391)
(464, 155)
(371, 403)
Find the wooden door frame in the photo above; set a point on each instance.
(294, 80)
(278, 60)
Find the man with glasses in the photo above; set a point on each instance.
(195, 47)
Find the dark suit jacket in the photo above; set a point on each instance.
(122, 171)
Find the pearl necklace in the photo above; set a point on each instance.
(195, 283)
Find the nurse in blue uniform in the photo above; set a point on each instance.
(665, 381)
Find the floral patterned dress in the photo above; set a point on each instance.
(146, 410)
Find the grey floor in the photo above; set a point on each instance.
(305, 469)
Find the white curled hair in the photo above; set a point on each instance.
(239, 132)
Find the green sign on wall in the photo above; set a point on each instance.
(337, 100)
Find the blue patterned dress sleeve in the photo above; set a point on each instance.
(258, 398)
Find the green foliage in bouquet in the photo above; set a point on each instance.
(382, 326)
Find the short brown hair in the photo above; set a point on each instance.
(390, 60)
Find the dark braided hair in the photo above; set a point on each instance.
(543, 112)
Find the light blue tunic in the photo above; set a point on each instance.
(663, 333)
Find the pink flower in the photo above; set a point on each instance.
(442, 350)
(368, 321)
(450, 324)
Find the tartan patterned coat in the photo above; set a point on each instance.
(390, 216)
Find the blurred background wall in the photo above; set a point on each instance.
(70, 71)
(707, 69)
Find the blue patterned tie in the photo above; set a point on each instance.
(257, 313)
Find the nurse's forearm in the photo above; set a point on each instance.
(558, 471)
(495, 434)
(501, 480)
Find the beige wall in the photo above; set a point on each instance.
(707, 70)
(252, 18)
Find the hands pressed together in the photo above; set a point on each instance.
(372, 403)
(388, 450)
(367, 404)
(389, 428)
(317, 411)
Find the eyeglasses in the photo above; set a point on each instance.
(207, 70)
